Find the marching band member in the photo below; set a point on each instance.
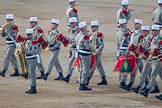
(135, 39)
(37, 31)
(74, 29)
(123, 38)
(157, 14)
(10, 32)
(97, 43)
(124, 12)
(54, 48)
(31, 51)
(84, 52)
(147, 66)
(156, 64)
(71, 11)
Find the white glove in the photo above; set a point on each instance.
(17, 45)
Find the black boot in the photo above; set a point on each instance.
(67, 78)
(145, 85)
(45, 77)
(136, 90)
(155, 90)
(15, 74)
(32, 90)
(128, 87)
(103, 81)
(25, 75)
(159, 97)
(122, 84)
(60, 77)
(83, 87)
(145, 92)
(41, 75)
(3, 73)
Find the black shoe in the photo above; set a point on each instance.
(103, 82)
(67, 78)
(155, 90)
(122, 84)
(3, 73)
(28, 91)
(41, 76)
(32, 90)
(60, 77)
(136, 90)
(15, 74)
(145, 92)
(144, 88)
(159, 97)
(45, 77)
(128, 87)
(25, 75)
(145, 85)
(83, 87)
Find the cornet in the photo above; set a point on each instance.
(10, 23)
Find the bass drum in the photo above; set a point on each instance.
(126, 64)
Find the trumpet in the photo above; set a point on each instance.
(2, 27)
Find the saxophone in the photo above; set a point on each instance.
(22, 59)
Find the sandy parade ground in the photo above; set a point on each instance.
(58, 94)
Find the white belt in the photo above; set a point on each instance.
(10, 42)
(29, 57)
(123, 48)
(37, 56)
(85, 52)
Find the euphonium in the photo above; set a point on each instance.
(22, 59)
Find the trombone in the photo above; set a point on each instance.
(2, 27)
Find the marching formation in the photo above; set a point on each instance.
(85, 49)
(139, 51)
(136, 51)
